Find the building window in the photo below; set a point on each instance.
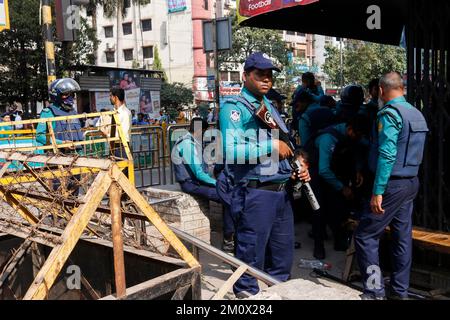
(234, 76)
(146, 25)
(148, 52)
(205, 4)
(127, 29)
(300, 53)
(291, 33)
(223, 75)
(110, 56)
(301, 34)
(109, 32)
(128, 54)
(126, 4)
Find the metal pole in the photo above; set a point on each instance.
(266, 278)
(115, 193)
(342, 63)
(216, 65)
(48, 40)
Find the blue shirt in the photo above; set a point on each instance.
(389, 126)
(304, 124)
(245, 141)
(325, 144)
(188, 151)
(239, 130)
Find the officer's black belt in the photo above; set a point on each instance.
(399, 178)
(269, 186)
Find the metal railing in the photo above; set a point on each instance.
(149, 149)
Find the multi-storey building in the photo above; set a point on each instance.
(130, 40)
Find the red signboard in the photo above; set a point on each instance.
(250, 8)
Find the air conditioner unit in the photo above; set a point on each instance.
(111, 47)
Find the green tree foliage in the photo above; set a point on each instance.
(110, 7)
(363, 61)
(175, 95)
(157, 63)
(285, 82)
(248, 40)
(80, 52)
(22, 59)
(86, 44)
(23, 73)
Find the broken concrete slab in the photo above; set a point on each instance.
(302, 289)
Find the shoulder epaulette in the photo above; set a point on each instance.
(230, 100)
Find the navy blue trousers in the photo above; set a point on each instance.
(197, 189)
(264, 234)
(398, 205)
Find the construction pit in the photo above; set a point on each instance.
(73, 226)
(58, 243)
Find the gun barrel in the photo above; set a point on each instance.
(311, 197)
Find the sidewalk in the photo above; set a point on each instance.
(303, 284)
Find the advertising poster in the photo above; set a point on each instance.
(145, 102)
(176, 5)
(132, 99)
(102, 101)
(156, 103)
(124, 79)
(251, 8)
(130, 82)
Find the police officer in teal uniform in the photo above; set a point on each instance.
(395, 159)
(352, 97)
(313, 118)
(191, 172)
(62, 97)
(336, 174)
(313, 87)
(257, 170)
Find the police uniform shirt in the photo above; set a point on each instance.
(41, 129)
(326, 143)
(389, 126)
(188, 151)
(304, 123)
(234, 120)
(244, 142)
